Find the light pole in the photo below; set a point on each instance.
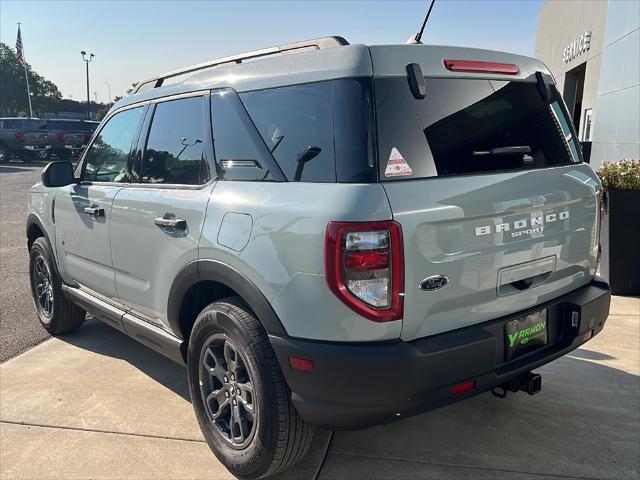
(86, 61)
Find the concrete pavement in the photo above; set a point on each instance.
(96, 404)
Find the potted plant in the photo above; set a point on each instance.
(620, 233)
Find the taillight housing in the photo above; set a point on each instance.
(60, 136)
(21, 136)
(87, 137)
(365, 267)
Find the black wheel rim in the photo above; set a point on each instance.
(227, 392)
(42, 286)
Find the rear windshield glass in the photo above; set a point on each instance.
(65, 125)
(469, 126)
(317, 132)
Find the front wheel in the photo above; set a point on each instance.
(241, 400)
(56, 313)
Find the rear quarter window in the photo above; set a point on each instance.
(318, 132)
(469, 126)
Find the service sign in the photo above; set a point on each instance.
(577, 47)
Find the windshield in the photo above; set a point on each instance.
(469, 126)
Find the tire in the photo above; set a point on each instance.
(43, 155)
(4, 154)
(56, 313)
(226, 335)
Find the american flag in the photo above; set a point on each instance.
(19, 49)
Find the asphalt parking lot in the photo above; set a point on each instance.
(19, 327)
(96, 404)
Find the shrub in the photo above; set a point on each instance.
(622, 175)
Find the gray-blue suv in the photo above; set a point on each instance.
(329, 235)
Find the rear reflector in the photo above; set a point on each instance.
(301, 364)
(481, 67)
(463, 388)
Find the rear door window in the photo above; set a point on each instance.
(175, 149)
(241, 153)
(469, 126)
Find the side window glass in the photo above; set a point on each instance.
(240, 151)
(296, 123)
(175, 151)
(108, 157)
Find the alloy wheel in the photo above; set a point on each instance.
(43, 286)
(227, 391)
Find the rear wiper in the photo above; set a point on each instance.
(522, 149)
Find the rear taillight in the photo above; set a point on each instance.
(87, 137)
(481, 67)
(21, 136)
(60, 136)
(365, 267)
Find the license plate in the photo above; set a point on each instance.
(525, 334)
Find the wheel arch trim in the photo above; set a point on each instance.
(216, 271)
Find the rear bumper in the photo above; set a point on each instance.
(360, 385)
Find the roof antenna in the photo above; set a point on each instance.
(415, 39)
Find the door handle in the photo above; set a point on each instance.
(94, 210)
(177, 223)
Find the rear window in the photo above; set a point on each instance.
(469, 126)
(317, 132)
(64, 125)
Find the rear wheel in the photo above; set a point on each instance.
(239, 395)
(4, 154)
(55, 312)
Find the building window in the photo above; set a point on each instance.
(586, 134)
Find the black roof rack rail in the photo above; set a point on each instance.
(296, 47)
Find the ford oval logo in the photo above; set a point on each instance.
(434, 282)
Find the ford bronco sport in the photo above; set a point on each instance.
(336, 235)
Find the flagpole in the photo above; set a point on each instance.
(26, 77)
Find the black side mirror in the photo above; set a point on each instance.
(57, 174)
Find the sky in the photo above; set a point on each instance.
(136, 40)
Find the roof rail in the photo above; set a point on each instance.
(296, 47)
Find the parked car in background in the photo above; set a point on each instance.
(25, 138)
(69, 137)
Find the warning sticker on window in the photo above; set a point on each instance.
(397, 166)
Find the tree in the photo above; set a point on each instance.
(45, 96)
(106, 107)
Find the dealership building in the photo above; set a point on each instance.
(592, 48)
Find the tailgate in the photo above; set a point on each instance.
(74, 138)
(486, 179)
(505, 242)
(36, 137)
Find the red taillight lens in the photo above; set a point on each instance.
(367, 260)
(21, 136)
(60, 136)
(303, 365)
(481, 67)
(365, 267)
(463, 388)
